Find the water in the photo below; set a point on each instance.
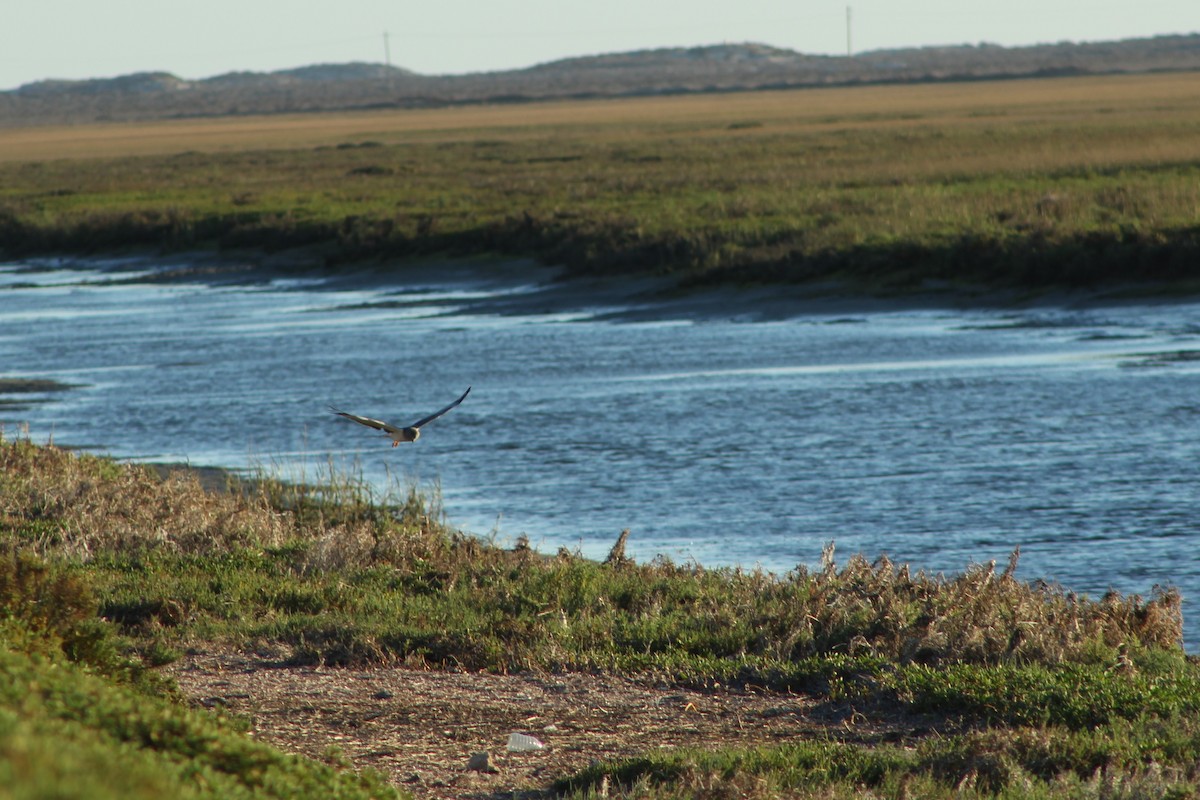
(938, 437)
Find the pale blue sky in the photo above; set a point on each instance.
(200, 38)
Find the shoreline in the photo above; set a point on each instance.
(522, 286)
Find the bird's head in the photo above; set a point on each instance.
(404, 435)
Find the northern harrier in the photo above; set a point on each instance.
(408, 434)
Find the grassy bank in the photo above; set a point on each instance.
(1014, 689)
(1066, 182)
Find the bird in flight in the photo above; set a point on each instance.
(407, 434)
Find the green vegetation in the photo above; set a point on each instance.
(1015, 690)
(66, 732)
(82, 715)
(1126, 761)
(1024, 184)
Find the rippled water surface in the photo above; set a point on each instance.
(937, 437)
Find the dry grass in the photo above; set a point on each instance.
(78, 506)
(1153, 98)
(978, 617)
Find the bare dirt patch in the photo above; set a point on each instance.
(422, 728)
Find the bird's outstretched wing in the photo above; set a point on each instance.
(378, 424)
(437, 414)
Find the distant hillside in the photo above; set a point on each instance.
(326, 87)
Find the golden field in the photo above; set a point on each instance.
(1170, 99)
(1066, 181)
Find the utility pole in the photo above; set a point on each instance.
(387, 51)
(849, 47)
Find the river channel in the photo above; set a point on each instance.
(717, 433)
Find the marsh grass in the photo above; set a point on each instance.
(1032, 691)
(1135, 761)
(390, 582)
(1026, 183)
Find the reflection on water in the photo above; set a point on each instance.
(937, 437)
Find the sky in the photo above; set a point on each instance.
(74, 39)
